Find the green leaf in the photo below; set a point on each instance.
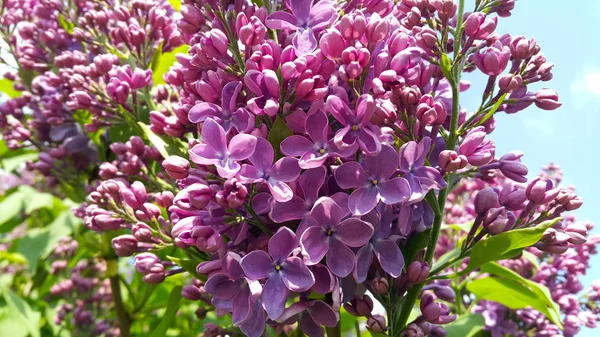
(414, 245)
(66, 25)
(541, 291)
(10, 164)
(13, 258)
(165, 62)
(505, 245)
(278, 133)
(6, 86)
(11, 207)
(493, 110)
(532, 258)
(171, 311)
(454, 253)
(176, 4)
(26, 316)
(465, 326)
(11, 324)
(165, 145)
(39, 242)
(376, 334)
(446, 66)
(510, 293)
(35, 199)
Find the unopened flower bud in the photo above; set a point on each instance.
(176, 167)
(125, 245)
(541, 191)
(377, 323)
(451, 161)
(547, 99)
(380, 285)
(417, 272)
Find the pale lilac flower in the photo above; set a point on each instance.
(357, 127)
(215, 151)
(314, 154)
(420, 177)
(311, 317)
(332, 237)
(227, 115)
(376, 185)
(283, 271)
(274, 175)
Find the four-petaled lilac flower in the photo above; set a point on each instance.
(382, 245)
(274, 175)
(300, 205)
(333, 235)
(357, 127)
(377, 185)
(420, 177)
(306, 19)
(314, 154)
(214, 149)
(283, 271)
(232, 291)
(311, 317)
(226, 115)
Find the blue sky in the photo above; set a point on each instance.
(567, 136)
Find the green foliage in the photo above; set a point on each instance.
(467, 325)
(278, 133)
(6, 86)
(171, 310)
(176, 4)
(23, 319)
(163, 61)
(165, 145)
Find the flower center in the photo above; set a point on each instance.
(374, 181)
(329, 232)
(278, 267)
(355, 127)
(322, 151)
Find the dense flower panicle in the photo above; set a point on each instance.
(296, 153)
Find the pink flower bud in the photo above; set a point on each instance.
(417, 272)
(510, 82)
(125, 245)
(522, 48)
(250, 31)
(332, 44)
(541, 192)
(199, 195)
(485, 199)
(352, 27)
(380, 285)
(176, 167)
(493, 60)
(477, 27)
(232, 195)
(547, 99)
(451, 161)
(207, 240)
(377, 28)
(360, 306)
(142, 232)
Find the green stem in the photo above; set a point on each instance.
(335, 331)
(259, 222)
(122, 315)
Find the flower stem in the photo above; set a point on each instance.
(122, 315)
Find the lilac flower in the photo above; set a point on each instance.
(214, 150)
(381, 244)
(314, 154)
(265, 85)
(311, 317)
(420, 177)
(274, 175)
(299, 206)
(227, 115)
(332, 237)
(377, 185)
(136, 79)
(232, 291)
(306, 19)
(284, 272)
(357, 127)
(477, 150)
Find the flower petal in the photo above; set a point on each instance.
(315, 244)
(394, 191)
(263, 155)
(354, 232)
(250, 174)
(241, 306)
(311, 182)
(390, 257)
(323, 314)
(281, 20)
(339, 109)
(340, 259)
(296, 275)
(364, 258)
(274, 296)
(322, 15)
(221, 286)
(296, 146)
(242, 146)
(311, 160)
(213, 134)
(301, 9)
(281, 191)
(227, 168)
(282, 244)
(363, 200)
(254, 325)
(309, 327)
(229, 95)
(201, 111)
(317, 127)
(384, 164)
(324, 280)
(350, 175)
(231, 265)
(285, 169)
(257, 265)
(368, 141)
(294, 209)
(305, 42)
(327, 213)
(203, 154)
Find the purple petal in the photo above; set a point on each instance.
(327, 213)
(389, 256)
(341, 199)
(311, 160)
(322, 15)
(242, 146)
(230, 94)
(311, 182)
(368, 141)
(296, 275)
(340, 259)
(364, 257)
(294, 209)
(323, 314)
(250, 174)
(281, 20)
(317, 127)
(354, 232)
(340, 111)
(227, 168)
(214, 135)
(254, 325)
(203, 154)
(257, 265)
(315, 243)
(201, 111)
(253, 80)
(309, 327)
(274, 296)
(261, 203)
(307, 222)
(416, 191)
(241, 306)
(394, 191)
(301, 9)
(430, 177)
(231, 265)
(324, 280)
(281, 191)
(242, 120)
(291, 311)
(262, 158)
(351, 175)
(304, 41)
(412, 154)
(221, 286)
(363, 200)
(384, 164)
(296, 146)
(365, 109)
(285, 169)
(282, 244)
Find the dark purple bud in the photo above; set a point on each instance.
(430, 310)
(497, 220)
(107, 222)
(142, 232)
(176, 167)
(577, 233)
(380, 285)
(360, 306)
(512, 197)
(232, 195)
(191, 292)
(125, 245)
(569, 200)
(541, 191)
(522, 48)
(207, 240)
(443, 292)
(485, 199)
(417, 272)
(413, 330)
(136, 146)
(199, 195)
(512, 167)
(438, 331)
(377, 323)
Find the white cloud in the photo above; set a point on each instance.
(585, 88)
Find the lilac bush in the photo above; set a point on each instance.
(281, 168)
